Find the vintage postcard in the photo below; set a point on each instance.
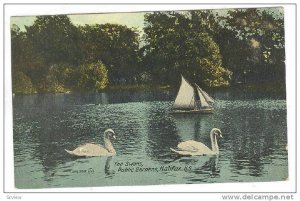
(149, 98)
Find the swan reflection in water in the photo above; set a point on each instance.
(204, 166)
(107, 170)
(210, 166)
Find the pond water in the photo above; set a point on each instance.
(253, 147)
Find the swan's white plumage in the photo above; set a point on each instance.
(90, 149)
(193, 148)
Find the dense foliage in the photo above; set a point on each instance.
(256, 38)
(92, 76)
(243, 45)
(175, 46)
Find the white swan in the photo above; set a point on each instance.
(90, 149)
(194, 148)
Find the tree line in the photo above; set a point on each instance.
(243, 45)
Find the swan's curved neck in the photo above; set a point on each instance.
(108, 145)
(214, 143)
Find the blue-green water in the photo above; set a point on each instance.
(253, 148)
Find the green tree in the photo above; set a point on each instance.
(92, 76)
(49, 41)
(256, 38)
(177, 43)
(52, 40)
(53, 51)
(56, 39)
(26, 64)
(205, 21)
(22, 84)
(117, 46)
(60, 78)
(209, 67)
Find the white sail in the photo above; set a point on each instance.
(206, 96)
(203, 102)
(185, 98)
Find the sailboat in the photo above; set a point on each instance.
(191, 99)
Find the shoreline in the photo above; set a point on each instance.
(267, 87)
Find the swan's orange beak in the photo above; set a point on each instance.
(221, 136)
(114, 137)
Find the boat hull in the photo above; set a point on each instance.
(201, 111)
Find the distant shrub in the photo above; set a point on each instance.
(92, 76)
(57, 79)
(22, 84)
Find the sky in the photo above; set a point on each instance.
(131, 20)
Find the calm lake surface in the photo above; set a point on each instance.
(253, 147)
